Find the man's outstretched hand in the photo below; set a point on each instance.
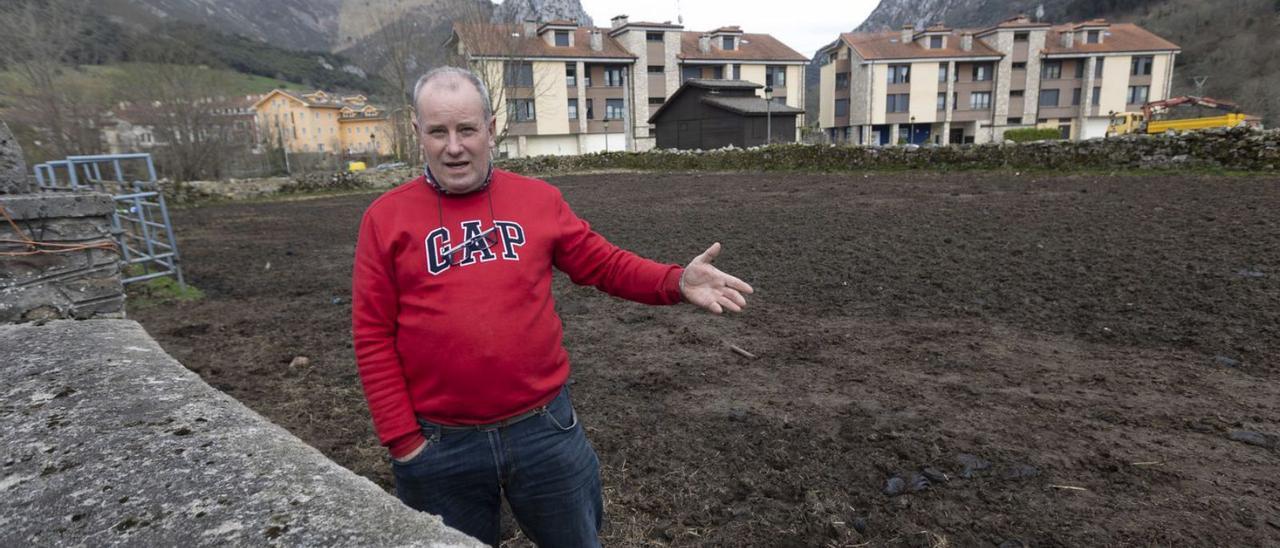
(708, 287)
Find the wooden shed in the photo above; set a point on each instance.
(708, 114)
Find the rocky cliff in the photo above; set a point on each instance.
(541, 10)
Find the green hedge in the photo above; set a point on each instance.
(1027, 135)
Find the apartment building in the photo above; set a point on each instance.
(321, 122)
(942, 85)
(561, 88)
(133, 127)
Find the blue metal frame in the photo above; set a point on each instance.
(141, 223)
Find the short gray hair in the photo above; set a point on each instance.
(441, 72)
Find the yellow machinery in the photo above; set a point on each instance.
(354, 167)
(1124, 123)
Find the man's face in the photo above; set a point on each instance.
(454, 134)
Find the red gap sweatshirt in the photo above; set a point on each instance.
(458, 332)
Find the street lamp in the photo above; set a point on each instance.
(768, 114)
(911, 136)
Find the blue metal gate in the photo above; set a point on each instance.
(141, 224)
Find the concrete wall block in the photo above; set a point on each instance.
(71, 284)
(13, 168)
(118, 444)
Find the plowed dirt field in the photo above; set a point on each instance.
(1051, 361)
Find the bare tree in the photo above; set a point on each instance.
(186, 108)
(64, 111)
(398, 43)
(502, 56)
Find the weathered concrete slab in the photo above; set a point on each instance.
(106, 440)
(23, 207)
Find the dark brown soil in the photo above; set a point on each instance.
(1100, 342)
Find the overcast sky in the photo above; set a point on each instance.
(805, 25)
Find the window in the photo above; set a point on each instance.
(1020, 66)
(842, 107)
(1013, 121)
(1093, 37)
(1138, 95)
(613, 76)
(842, 80)
(613, 109)
(942, 73)
(980, 100)
(935, 42)
(775, 76)
(942, 101)
(570, 75)
(717, 72)
(573, 109)
(653, 36)
(1142, 66)
(981, 73)
(320, 147)
(831, 57)
(591, 112)
(1097, 66)
(955, 99)
(1048, 97)
(656, 101)
(1079, 68)
(656, 69)
(728, 42)
(899, 74)
(690, 73)
(1016, 93)
(737, 71)
(1021, 36)
(1051, 70)
(562, 38)
(898, 102)
(1097, 96)
(518, 75)
(1065, 132)
(520, 110)
(1075, 97)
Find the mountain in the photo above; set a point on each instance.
(1231, 46)
(514, 11)
(310, 25)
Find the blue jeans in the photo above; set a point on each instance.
(543, 465)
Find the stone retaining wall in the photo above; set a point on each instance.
(106, 440)
(1243, 149)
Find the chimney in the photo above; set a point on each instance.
(619, 21)
(704, 43)
(966, 41)
(530, 28)
(1068, 39)
(907, 32)
(597, 40)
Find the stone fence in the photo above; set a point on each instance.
(1242, 149)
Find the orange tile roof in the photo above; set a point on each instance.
(503, 40)
(1123, 37)
(889, 45)
(754, 47)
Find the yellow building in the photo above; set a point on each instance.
(323, 123)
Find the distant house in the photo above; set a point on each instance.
(707, 114)
(942, 85)
(570, 89)
(323, 122)
(133, 127)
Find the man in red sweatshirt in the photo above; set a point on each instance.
(456, 337)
